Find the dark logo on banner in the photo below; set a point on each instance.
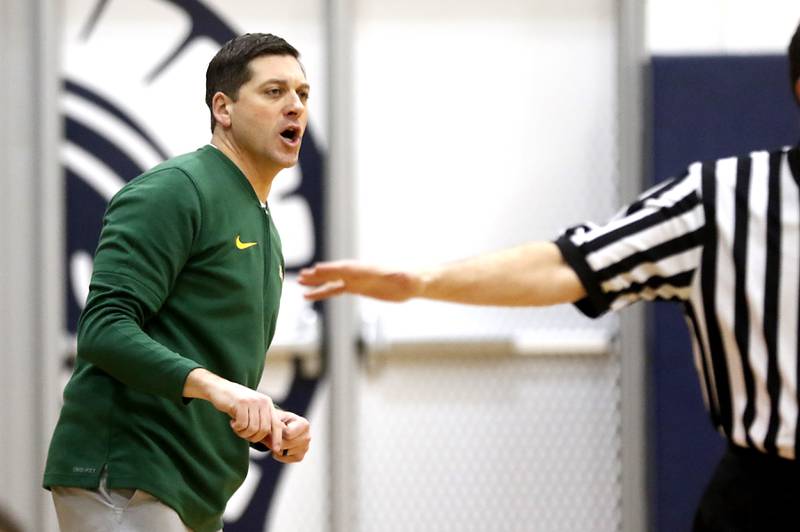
(97, 164)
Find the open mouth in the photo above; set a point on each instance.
(291, 133)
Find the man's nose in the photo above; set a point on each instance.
(295, 106)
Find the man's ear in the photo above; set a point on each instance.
(221, 107)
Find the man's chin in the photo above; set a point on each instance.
(289, 163)
(290, 160)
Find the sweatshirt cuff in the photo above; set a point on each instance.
(189, 367)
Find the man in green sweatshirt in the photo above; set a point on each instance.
(182, 305)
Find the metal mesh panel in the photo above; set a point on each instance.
(480, 444)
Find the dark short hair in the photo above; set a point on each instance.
(229, 69)
(794, 61)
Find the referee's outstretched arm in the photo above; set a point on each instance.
(649, 250)
(532, 274)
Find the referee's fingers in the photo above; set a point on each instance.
(326, 290)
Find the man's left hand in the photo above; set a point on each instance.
(296, 438)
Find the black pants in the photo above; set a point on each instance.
(751, 492)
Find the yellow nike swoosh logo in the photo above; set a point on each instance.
(244, 245)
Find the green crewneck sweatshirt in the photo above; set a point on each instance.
(187, 274)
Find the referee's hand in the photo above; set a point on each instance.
(328, 279)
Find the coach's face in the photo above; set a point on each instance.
(268, 117)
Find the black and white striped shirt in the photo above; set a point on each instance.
(724, 239)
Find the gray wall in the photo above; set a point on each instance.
(30, 201)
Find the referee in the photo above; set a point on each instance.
(724, 240)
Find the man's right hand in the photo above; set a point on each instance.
(253, 415)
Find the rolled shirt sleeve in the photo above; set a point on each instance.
(650, 250)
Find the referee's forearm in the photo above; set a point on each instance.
(529, 275)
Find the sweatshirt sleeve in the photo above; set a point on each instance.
(148, 234)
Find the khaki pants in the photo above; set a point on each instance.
(113, 510)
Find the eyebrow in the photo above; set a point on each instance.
(285, 83)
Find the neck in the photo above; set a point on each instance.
(259, 174)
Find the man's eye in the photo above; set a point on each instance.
(273, 92)
(303, 95)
